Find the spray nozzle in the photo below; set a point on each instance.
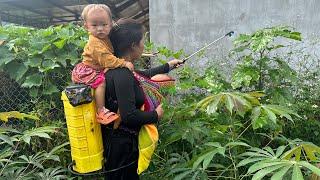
(231, 33)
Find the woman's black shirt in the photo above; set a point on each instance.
(123, 92)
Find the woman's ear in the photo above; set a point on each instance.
(133, 45)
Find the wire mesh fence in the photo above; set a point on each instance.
(17, 98)
(14, 97)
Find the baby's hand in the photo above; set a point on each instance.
(130, 66)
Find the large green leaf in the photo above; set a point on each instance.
(39, 132)
(60, 44)
(34, 61)
(263, 113)
(16, 70)
(263, 172)
(33, 80)
(236, 102)
(207, 156)
(183, 175)
(50, 89)
(296, 173)
(309, 149)
(311, 167)
(6, 139)
(5, 55)
(266, 162)
(48, 65)
(4, 116)
(280, 174)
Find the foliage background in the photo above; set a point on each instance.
(267, 112)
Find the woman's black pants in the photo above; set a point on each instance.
(121, 154)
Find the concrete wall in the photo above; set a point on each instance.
(190, 24)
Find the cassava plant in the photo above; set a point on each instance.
(221, 130)
(18, 161)
(259, 67)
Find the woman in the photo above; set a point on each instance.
(124, 94)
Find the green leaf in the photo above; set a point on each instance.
(50, 89)
(263, 151)
(309, 149)
(172, 138)
(232, 144)
(39, 132)
(60, 44)
(34, 62)
(207, 160)
(4, 116)
(242, 39)
(58, 149)
(33, 92)
(280, 150)
(5, 55)
(44, 49)
(33, 80)
(229, 104)
(311, 167)
(256, 111)
(52, 157)
(296, 173)
(207, 156)
(270, 115)
(249, 160)
(16, 70)
(5, 153)
(48, 65)
(183, 175)
(6, 139)
(259, 122)
(264, 164)
(278, 175)
(213, 106)
(26, 139)
(8, 129)
(263, 172)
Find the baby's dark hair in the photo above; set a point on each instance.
(124, 33)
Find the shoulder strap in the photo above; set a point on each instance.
(152, 96)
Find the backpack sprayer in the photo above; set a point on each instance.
(84, 131)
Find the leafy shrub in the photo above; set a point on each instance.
(18, 160)
(215, 132)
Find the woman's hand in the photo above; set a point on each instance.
(159, 111)
(175, 63)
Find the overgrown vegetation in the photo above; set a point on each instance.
(262, 123)
(234, 129)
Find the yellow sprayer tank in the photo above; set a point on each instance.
(84, 135)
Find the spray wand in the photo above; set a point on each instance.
(229, 34)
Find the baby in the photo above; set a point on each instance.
(98, 57)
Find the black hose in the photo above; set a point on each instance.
(98, 172)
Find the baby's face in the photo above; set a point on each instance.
(98, 23)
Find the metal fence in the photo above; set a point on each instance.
(13, 97)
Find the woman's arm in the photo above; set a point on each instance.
(131, 117)
(162, 69)
(156, 70)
